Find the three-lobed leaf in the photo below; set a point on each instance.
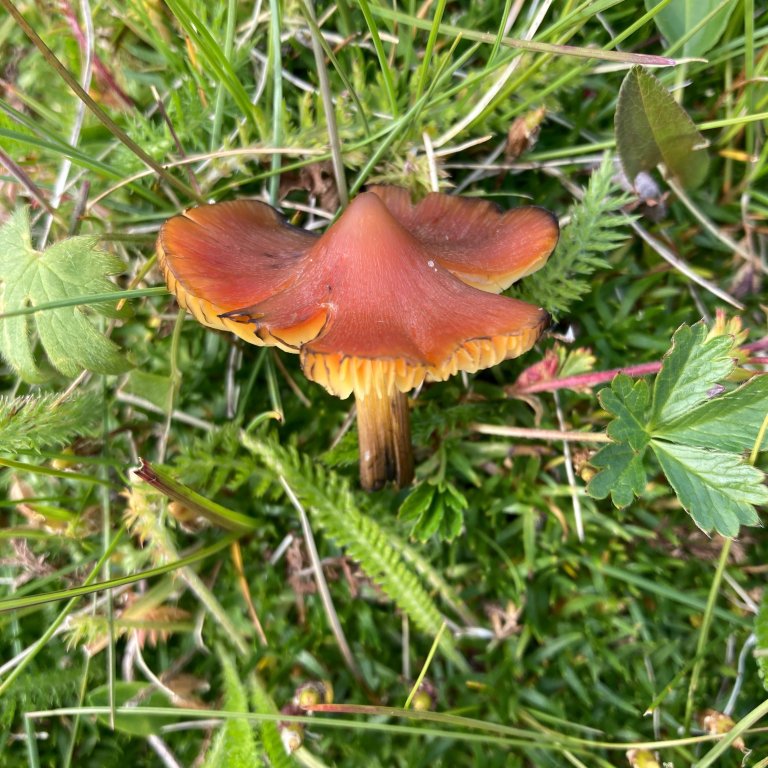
(28, 278)
(652, 128)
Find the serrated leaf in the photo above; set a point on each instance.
(652, 128)
(628, 402)
(68, 269)
(270, 733)
(34, 423)
(679, 16)
(451, 524)
(729, 422)
(719, 490)
(417, 502)
(622, 476)
(691, 368)
(429, 520)
(234, 745)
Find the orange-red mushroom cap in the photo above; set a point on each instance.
(392, 293)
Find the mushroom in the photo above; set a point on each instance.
(392, 294)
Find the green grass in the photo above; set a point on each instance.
(559, 649)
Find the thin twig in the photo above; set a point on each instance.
(569, 473)
(328, 106)
(524, 433)
(322, 584)
(74, 136)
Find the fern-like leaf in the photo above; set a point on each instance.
(234, 745)
(332, 506)
(270, 733)
(35, 423)
(596, 229)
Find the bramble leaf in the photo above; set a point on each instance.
(717, 489)
(28, 278)
(691, 369)
(652, 128)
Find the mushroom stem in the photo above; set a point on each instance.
(384, 435)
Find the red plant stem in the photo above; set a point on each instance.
(594, 378)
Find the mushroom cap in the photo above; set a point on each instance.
(392, 293)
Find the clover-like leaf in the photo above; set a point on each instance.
(652, 128)
(28, 278)
(717, 489)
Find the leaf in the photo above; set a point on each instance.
(34, 423)
(623, 474)
(730, 422)
(651, 128)
(628, 402)
(270, 733)
(761, 633)
(717, 489)
(679, 16)
(135, 724)
(234, 745)
(434, 509)
(68, 269)
(597, 228)
(417, 502)
(697, 437)
(690, 370)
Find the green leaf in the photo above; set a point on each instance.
(691, 369)
(434, 509)
(67, 269)
(270, 733)
(717, 489)
(679, 16)
(651, 128)
(597, 227)
(34, 423)
(622, 476)
(729, 422)
(134, 725)
(215, 513)
(628, 402)
(417, 502)
(696, 434)
(234, 745)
